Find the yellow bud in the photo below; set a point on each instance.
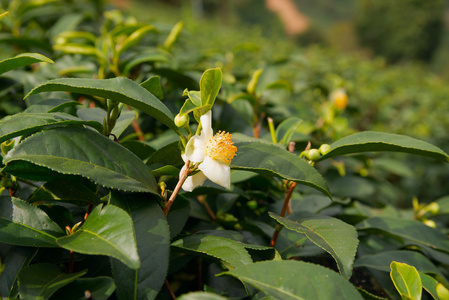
(340, 98)
(182, 120)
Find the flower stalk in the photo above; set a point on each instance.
(182, 178)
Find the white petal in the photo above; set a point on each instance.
(193, 181)
(206, 123)
(216, 172)
(196, 149)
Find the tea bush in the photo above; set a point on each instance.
(114, 185)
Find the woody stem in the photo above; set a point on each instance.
(182, 178)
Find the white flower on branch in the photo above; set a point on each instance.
(212, 154)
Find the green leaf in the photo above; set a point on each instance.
(24, 224)
(178, 215)
(430, 285)
(173, 36)
(382, 261)
(40, 281)
(201, 296)
(252, 84)
(334, 236)
(153, 85)
(21, 60)
(149, 56)
(412, 231)
(167, 155)
(295, 280)
(286, 129)
(135, 38)
(74, 48)
(370, 141)
(83, 152)
(98, 114)
(107, 231)
(16, 259)
(210, 84)
(2, 15)
(100, 288)
(153, 245)
(407, 281)
(26, 123)
(118, 89)
(140, 148)
(69, 191)
(231, 253)
(272, 160)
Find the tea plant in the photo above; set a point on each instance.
(178, 182)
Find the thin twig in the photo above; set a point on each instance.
(286, 206)
(170, 291)
(203, 201)
(182, 178)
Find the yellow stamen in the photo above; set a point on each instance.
(221, 147)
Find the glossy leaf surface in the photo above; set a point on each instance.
(296, 280)
(118, 89)
(371, 141)
(336, 237)
(26, 225)
(407, 281)
(108, 231)
(231, 253)
(26, 123)
(410, 230)
(153, 246)
(83, 152)
(271, 160)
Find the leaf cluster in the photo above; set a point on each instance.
(92, 155)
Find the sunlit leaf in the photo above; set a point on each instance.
(21, 60)
(407, 281)
(272, 160)
(371, 141)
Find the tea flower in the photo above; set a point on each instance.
(212, 154)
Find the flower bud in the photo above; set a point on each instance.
(182, 120)
(314, 154)
(325, 149)
(252, 204)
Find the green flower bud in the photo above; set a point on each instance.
(314, 154)
(304, 154)
(325, 149)
(182, 120)
(252, 204)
